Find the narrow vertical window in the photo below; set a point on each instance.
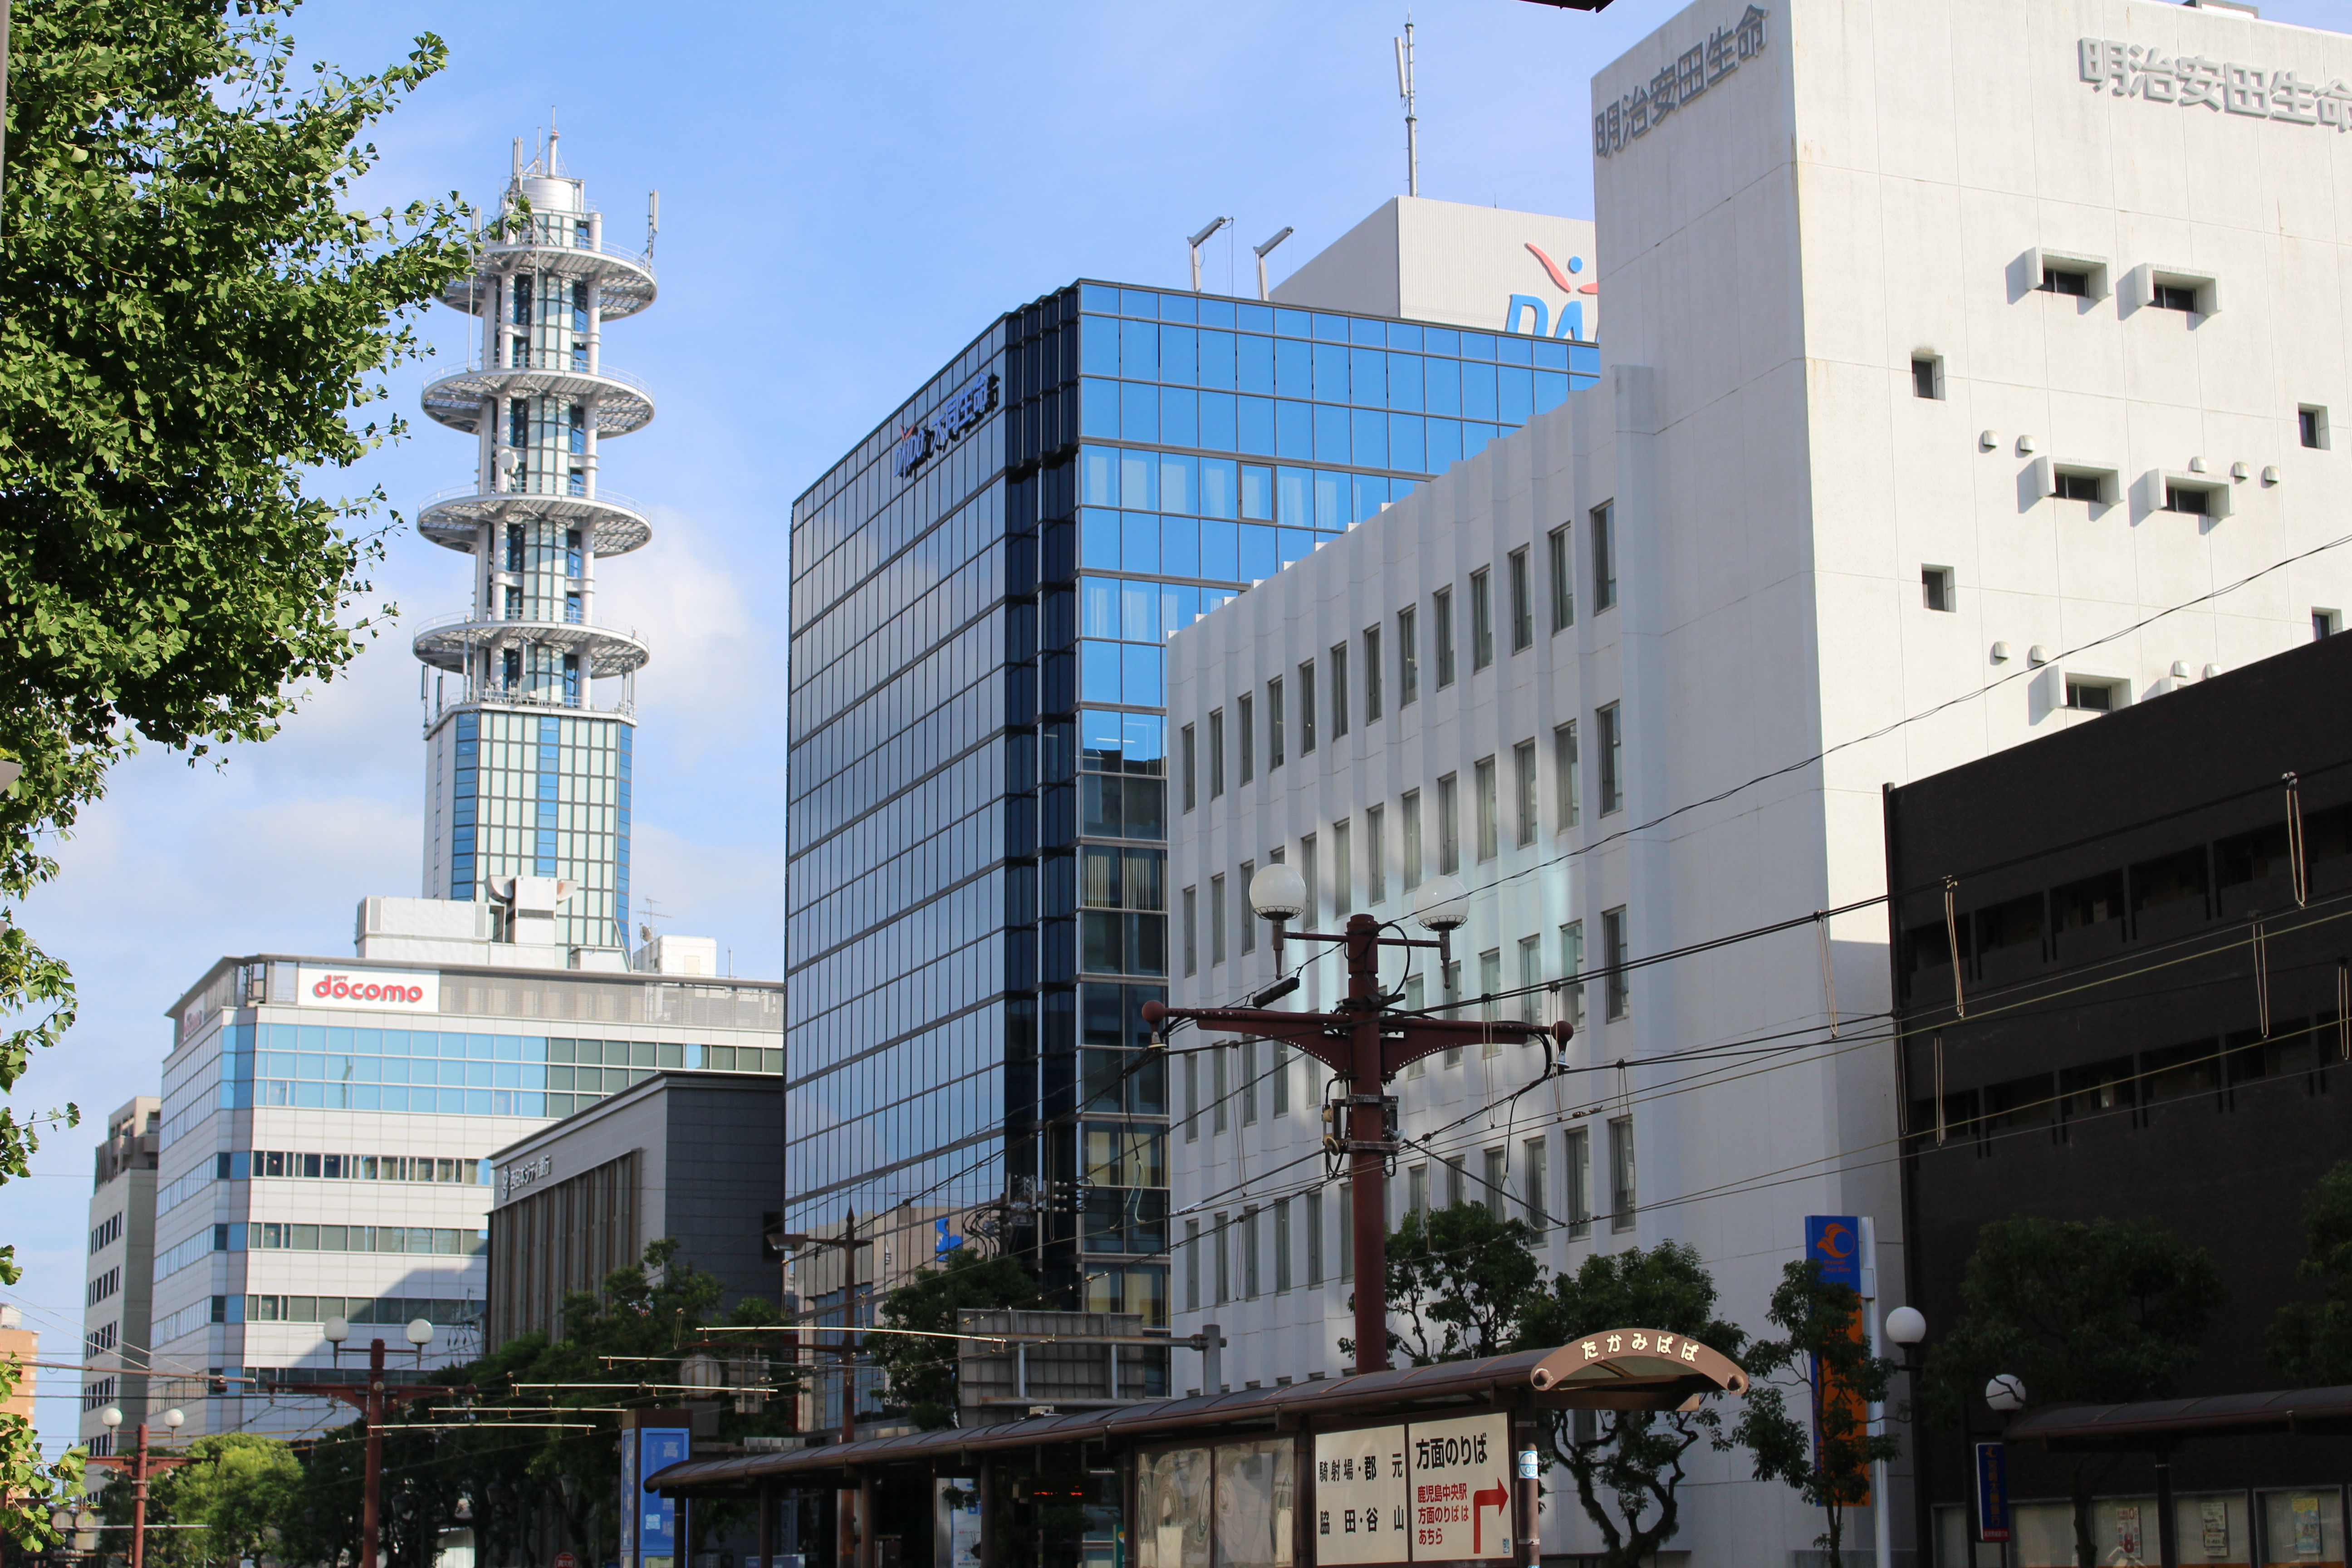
(1416, 1191)
(1184, 757)
(1347, 1228)
(1218, 1226)
(1247, 916)
(1576, 1182)
(1567, 776)
(1278, 1077)
(1618, 989)
(1494, 1190)
(1482, 778)
(1338, 662)
(1191, 1099)
(1482, 618)
(1343, 881)
(1245, 723)
(1563, 579)
(1221, 1089)
(1217, 919)
(1441, 604)
(1376, 853)
(1314, 1204)
(1192, 1265)
(1192, 941)
(1523, 606)
(1608, 724)
(1282, 1244)
(1274, 722)
(1571, 966)
(1490, 987)
(1409, 807)
(1531, 974)
(1245, 1081)
(1604, 556)
(1523, 773)
(1306, 873)
(1371, 674)
(1532, 1183)
(1408, 656)
(1216, 753)
(1250, 1253)
(1307, 707)
(1449, 840)
(1620, 1172)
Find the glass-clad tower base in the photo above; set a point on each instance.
(977, 899)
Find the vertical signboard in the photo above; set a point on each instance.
(1834, 1241)
(653, 1527)
(1428, 1492)
(1992, 1493)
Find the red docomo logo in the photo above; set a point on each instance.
(343, 988)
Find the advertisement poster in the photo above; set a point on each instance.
(2306, 1507)
(2213, 1515)
(658, 1517)
(963, 1522)
(1992, 1493)
(2128, 1529)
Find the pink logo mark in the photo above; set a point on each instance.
(1557, 277)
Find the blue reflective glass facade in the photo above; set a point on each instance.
(977, 905)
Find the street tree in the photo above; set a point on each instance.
(1825, 1357)
(1463, 1280)
(2092, 1312)
(1628, 1465)
(2311, 1341)
(919, 1368)
(232, 1499)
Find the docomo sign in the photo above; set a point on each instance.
(397, 991)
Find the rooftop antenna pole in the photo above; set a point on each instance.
(1412, 123)
(1199, 240)
(551, 134)
(653, 219)
(1262, 252)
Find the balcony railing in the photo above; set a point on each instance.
(475, 693)
(603, 496)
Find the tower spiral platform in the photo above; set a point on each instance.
(529, 761)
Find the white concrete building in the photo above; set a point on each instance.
(1971, 368)
(119, 1283)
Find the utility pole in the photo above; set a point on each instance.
(852, 1509)
(1366, 1044)
(139, 1467)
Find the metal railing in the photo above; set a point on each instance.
(468, 617)
(556, 231)
(475, 692)
(603, 497)
(541, 362)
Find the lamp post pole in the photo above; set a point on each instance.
(142, 1467)
(1366, 1044)
(851, 1504)
(373, 1399)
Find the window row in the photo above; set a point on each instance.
(1372, 377)
(1327, 498)
(1314, 432)
(1323, 326)
(258, 1308)
(107, 1234)
(264, 1164)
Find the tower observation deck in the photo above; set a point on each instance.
(529, 700)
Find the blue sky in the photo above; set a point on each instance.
(849, 194)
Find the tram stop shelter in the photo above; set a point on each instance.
(1414, 1465)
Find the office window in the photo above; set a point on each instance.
(1441, 604)
(1347, 1205)
(1343, 880)
(1192, 1265)
(2072, 282)
(1376, 853)
(2180, 297)
(1490, 990)
(1482, 618)
(1935, 588)
(1604, 556)
(1278, 1077)
(1531, 1183)
(2311, 426)
(1216, 753)
(1371, 674)
(1608, 725)
(1192, 942)
(1282, 1244)
(1576, 1182)
(1245, 728)
(1617, 988)
(1567, 775)
(1191, 1099)
(1523, 773)
(1454, 1183)
(1530, 977)
(1571, 966)
(1924, 377)
(2067, 486)
(1306, 873)
(1495, 1189)
(1481, 777)
(1416, 1191)
(2326, 623)
(1408, 656)
(1184, 756)
(1449, 842)
(1620, 1172)
(1338, 662)
(1218, 1226)
(1247, 1080)
(1307, 707)
(1273, 723)
(2089, 694)
(1250, 1253)
(1563, 579)
(1217, 919)
(1523, 607)
(1313, 1204)
(1409, 808)
(2194, 499)
(1450, 1002)
(1221, 1088)
(1244, 913)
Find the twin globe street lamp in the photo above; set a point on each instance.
(1365, 1041)
(141, 1466)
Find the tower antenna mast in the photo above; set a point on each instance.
(1412, 120)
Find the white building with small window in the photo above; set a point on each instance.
(1972, 370)
(117, 1282)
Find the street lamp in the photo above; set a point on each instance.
(1365, 1045)
(373, 1399)
(1906, 1326)
(1199, 240)
(141, 1465)
(2005, 1393)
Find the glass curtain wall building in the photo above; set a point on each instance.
(977, 895)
